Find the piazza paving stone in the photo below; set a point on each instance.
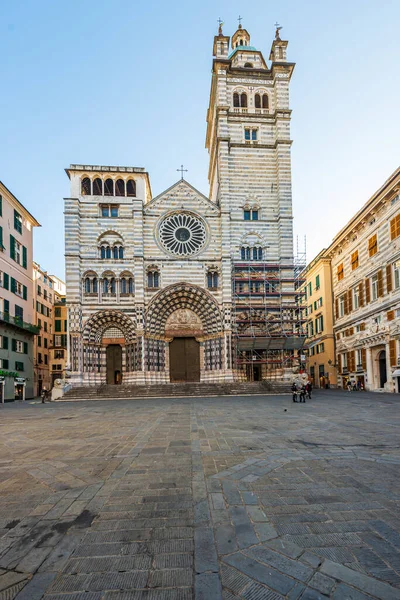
(226, 498)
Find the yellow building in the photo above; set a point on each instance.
(320, 343)
(58, 349)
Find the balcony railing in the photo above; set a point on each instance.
(18, 322)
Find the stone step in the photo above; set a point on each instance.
(174, 389)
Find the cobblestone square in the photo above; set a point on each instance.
(226, 497)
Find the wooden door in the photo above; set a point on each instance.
(114, 364)
(184, 359)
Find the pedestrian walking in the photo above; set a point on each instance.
(349, 386)
(308, 389)
(303, 393)
(294, 391)
(43, 395)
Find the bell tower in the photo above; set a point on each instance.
(248, 139)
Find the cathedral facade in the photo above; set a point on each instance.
(181, 287)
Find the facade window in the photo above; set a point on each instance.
(87, 286)
(310, 329)
(340, 272)
(3, 363)
(250, 214)
(359, 358)
(57, 311)
(341, 306)
(240, 100)
(108, 210)
(356, 297)
(344, 361)
(317, 284)
(127, 285)
(373, 245)
(397, 275)
(354, 260)
(395, 227)
(261, 101)
(153, 279)
(86, 187)
(57, 325)
(18, 252)
(4, 342)
(19, 366)
(309, 290)
(46, 359)
(247, 215)
(45, 342)
(374, 287)
(17, 221)
(58, 340)
(212, 280)
(250, 134)
(19, 312)
(319, 324)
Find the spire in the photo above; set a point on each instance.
(241, 37)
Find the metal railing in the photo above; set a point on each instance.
(18, 322)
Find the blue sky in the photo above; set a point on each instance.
(127, 83)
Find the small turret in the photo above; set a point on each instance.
(221, 43)
(278, 48)
(241, 38)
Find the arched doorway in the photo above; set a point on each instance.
(187, 320)
(109, 344)
(114, 364)
(382, 369)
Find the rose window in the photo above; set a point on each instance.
(182, 234)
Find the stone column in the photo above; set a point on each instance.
(117, 289)
(370, 372)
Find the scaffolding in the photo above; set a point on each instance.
(268, 318)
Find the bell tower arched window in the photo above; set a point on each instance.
(120, 187)
(131, 188)
(97, 187)
(86, 186)
(243, 100)
(109, 187)
(257, 101)
(265, 101)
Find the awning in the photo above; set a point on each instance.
(396, 373)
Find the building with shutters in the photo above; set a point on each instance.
(43, 293)
(58, 347)
(184, 287)
(365, 262)
(318, 308)
(17, 319)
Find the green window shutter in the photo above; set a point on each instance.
(6, 306)
(65, 325)
(58, 326)
(12, 247)
(24, 257)
(25, 347)
(5, 342)
(1, 234)
(13, 345)
(5, 363)
(6, 281)
(13, 285)
(25, 292)
(1, 205)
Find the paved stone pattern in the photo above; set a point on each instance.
(208, 498)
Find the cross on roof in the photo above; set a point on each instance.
(219, 21)
(182, 170)
(240, 19)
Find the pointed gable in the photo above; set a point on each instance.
(182, 195)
